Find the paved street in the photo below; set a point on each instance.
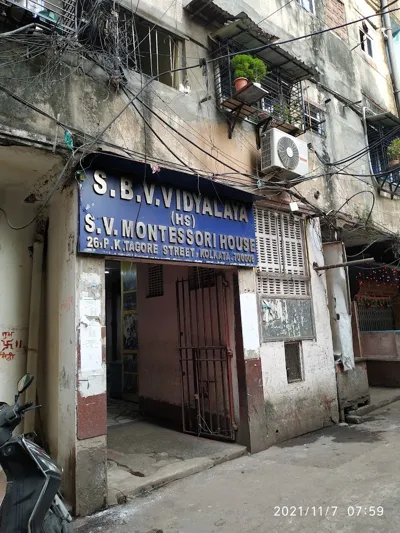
(333, 480)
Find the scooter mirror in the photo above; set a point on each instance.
(24, 383)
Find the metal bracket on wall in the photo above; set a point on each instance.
(232, 121)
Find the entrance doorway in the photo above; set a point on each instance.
(205, 354)
(170, 346)
(171, 369)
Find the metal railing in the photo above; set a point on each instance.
(61, 13)
(284, 99)
(379, 141)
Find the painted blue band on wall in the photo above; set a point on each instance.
(126, 216)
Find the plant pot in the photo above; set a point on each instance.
(240, 83)
(394, 163)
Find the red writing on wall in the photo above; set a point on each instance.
(66, 304)
(9, 345)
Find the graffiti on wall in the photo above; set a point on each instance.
(10, 344)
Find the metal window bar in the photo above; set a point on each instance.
(284, 101)
(379, 141)
(65, 11)
(147, 49)
(375, 318)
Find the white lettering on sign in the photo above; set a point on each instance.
(189, 202)
(184, 225)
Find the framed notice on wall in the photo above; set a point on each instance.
(129, 331)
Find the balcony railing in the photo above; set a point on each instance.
(281, 98)
(379, 140)
(58, 13)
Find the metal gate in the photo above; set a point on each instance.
(205, 358)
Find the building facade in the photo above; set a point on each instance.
(164, 236)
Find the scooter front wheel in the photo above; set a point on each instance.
(54, 524)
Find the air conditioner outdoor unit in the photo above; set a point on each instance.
(283, 154)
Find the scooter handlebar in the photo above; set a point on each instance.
(20, 409)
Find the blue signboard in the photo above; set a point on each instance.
(130, 217)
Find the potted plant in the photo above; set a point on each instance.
(393, 153)
(247, 69)
(283, 112)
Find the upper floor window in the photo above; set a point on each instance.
(314, 118)
(149, 49)
(307, 4)
(366, 40)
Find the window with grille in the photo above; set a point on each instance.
(282, 262)
(294, 367)
(314, 118)
(155, 281)
(366, 40)
(200, 278)
(147, 48)
(308, 5)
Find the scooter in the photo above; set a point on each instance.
(32, 503)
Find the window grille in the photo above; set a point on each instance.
(155, 281)
(366, 41)
(308, 5)
(282, 264)
(149, 49)
(314, 118)
(200, 278)
(294, 370)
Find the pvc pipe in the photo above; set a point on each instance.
(34, 324)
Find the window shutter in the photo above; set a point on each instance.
(281, 255)
(268, 250)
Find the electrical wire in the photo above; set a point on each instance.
(301, 37)
(43, 206)
(365, 248)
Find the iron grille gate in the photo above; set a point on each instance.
(205, 359)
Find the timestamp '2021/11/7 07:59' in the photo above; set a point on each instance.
(328, 510)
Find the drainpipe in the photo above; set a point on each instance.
(365, 127)
(34, 320)
(395, 71)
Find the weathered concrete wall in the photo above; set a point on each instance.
(295, 408)
(339, 304)
(353, 386)
(91, 446)
(15, 276)
(60, 362)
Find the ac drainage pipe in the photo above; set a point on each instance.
(34, 321)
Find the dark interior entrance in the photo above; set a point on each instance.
(170, 346)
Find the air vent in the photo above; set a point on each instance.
(155, 281)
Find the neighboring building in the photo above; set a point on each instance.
(164, 235)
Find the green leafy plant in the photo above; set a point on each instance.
(249, 67)
(283, 112)
(393, 150)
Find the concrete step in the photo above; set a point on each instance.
(358, 416)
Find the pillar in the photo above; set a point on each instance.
(251, 379)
